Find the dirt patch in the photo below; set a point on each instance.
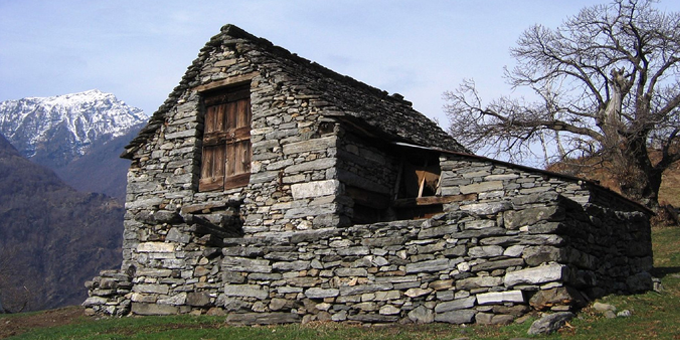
(11, 325)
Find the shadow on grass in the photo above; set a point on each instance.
(661, 272)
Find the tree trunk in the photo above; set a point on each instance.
(639, 179)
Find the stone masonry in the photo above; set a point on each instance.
(325, 229)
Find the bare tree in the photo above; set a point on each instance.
(14, 296)
(607, 83)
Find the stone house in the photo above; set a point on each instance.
(270, 189)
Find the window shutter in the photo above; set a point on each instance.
(226, 141)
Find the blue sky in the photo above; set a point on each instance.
(139, 50)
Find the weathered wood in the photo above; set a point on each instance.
(410, 202)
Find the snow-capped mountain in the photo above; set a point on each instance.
(59, 129)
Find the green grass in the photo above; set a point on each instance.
(655, 316)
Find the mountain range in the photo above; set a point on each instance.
(78, 135)
(62, 187)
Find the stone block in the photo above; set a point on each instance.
(498, 264)
(466, 303)
(416, 292)
(485, 251)
(480, 224)
(198, 299)
(514, 219)
(456, 317)
(242, 264)
(175, 300)
(389, 310)
(550, 323)
(514, 296)
(150, 288)
(387, 295)
(315, 189)
(568, 296)
(536, 255)
(481, 187)
(478, 282)
(254, 291)
(362, 289)
(428, 266)
(421, 315)
(490, 208)
(156, 247)
(94, 301)
(536, 275)
(316, 144)
(432, 232)
(290, 266)
(320, 293)
(153, 309)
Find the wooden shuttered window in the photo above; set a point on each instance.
(226, 140)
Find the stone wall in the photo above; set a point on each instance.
(488, 259)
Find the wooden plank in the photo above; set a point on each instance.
(430, 200)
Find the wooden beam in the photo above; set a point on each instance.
(431, 200)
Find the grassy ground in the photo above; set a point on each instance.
(654, 316)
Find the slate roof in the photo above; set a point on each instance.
(346, 97)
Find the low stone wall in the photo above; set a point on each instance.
(539, 251)
(458, 267)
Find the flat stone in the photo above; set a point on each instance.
(550, 323)
(421, 315)
(455, 305)
(428, 266)
(151, 288)
(320, 293)
(514, 296)
(362, 289)
(315, 189)
(480, 224)
(456, 317)
(156, 247)
(316, 144)
(246, 291)
(568, 296)
(153, 309)
(389, 310)
(603, 307)
(481, 187)
(536, 275)
(478, 282)
(291, 266)
(241, 264)
(175, 300)
(426, 233)
(486, 208)
(198, 299)
(441, 284)
(94, 301)
(387, 295)
(514, 219)
(498, 264)
(343, 272)
(485, 251)
(416, 292)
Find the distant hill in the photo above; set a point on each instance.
(52, 237)
(101, 169)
